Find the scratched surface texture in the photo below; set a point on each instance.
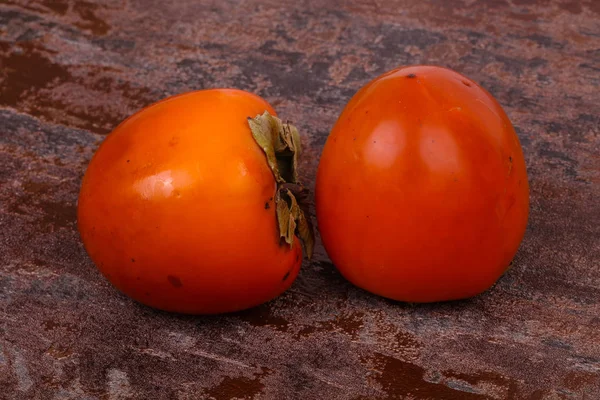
(71, 70)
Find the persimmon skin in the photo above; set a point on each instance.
(422, 191)
(176, 207)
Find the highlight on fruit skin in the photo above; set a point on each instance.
(422, 191)
(193, 204)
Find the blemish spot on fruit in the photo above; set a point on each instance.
(133, 260)
(267, 206)
(128, 160)
(175, 281)
(466, 83)
(411, 76)
(287, 275)
(509, 158)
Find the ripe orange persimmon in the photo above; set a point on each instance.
(190, 204)
(422, 191)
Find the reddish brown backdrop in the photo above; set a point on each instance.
(71, 70)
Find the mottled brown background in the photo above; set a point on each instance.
(71, 70)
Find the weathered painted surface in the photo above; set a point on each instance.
(71, 70)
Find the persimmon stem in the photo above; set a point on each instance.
(281, 144)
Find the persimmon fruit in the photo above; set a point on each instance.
(193, 204)
(422, 191)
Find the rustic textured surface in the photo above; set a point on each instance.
(71, 70)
